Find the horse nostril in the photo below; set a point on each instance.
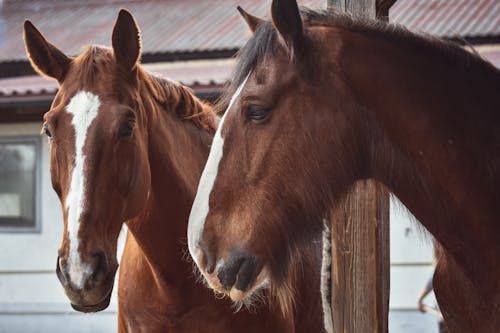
(227, 273)
(240, 271)
(100, 266)
(247, 273)
(61, 273)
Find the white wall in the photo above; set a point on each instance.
(411, 258)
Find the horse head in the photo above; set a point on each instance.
(98, 155)
(253, 214)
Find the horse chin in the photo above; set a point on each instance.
(102, 305)
(238, 295)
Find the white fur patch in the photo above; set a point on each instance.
(199, 211)
(83, 106)
(326, 285)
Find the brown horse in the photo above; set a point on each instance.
(320, 100)
(129, 146)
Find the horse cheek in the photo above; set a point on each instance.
(140, 184)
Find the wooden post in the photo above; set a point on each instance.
(360, 235)
(360, 260)
(364, 8)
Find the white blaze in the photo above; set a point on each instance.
(83, 106)
(199, 210)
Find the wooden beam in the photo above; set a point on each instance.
(365, 8)
(360, 260)
(360, 234)
(383, 7)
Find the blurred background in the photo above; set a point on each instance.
(192, 42)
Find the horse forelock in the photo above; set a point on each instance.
(94, 64)
(257, 47)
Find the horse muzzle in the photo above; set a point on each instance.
(238, 277)
(93, 292)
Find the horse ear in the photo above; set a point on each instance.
(126, 40)
(253, 22)
(286, 19)
(45, 58)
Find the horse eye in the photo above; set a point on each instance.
(127, 129)
(46, 131)
(257, 113)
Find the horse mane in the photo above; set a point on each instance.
(170, 95)
(263, 43)
(181, 100)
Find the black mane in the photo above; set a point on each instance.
(260, 44)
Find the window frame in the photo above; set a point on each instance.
(36, 141)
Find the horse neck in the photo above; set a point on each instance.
(178, 150)
(431, 121)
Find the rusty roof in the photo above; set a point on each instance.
(449, 18)
(175, 26)
(200, 75)
(193, 26)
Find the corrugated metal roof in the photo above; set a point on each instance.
(198, 26)
(449, 18)
(201, 75)
(197, 74)
(167, 26)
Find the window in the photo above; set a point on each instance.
(19, 184)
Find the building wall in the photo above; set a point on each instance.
(411, 258)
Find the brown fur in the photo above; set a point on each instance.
(351, 100)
